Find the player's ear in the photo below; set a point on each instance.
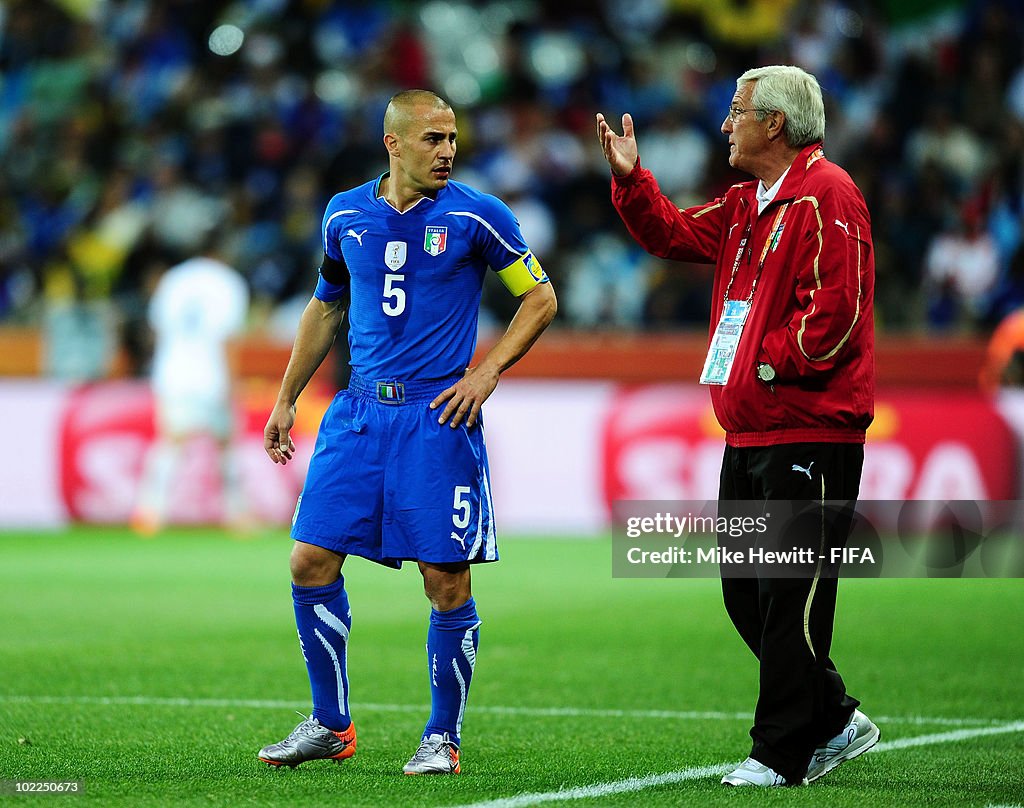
(776, 124)
(391, 144)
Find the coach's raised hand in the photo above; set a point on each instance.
(619, 150)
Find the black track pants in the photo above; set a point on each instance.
(787, 622)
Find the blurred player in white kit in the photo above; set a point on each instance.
(198, 306)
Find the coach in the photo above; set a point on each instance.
(791, 373)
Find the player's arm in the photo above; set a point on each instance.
(537, 308)
(318, 328)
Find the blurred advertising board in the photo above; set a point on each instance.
(664, 443)
(561, 451)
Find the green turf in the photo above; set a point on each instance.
(97, 614)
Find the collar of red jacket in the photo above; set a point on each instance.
(807, 157)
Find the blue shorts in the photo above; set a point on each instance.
(389, 483)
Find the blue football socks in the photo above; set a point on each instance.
(323, 618)
(452, 640)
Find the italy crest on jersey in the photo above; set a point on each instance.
(435, 239)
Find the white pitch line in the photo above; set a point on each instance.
(607, 789)
(947, 737)
(631, 784)
(271, 704)
(920, 720)
(530, 712)
(701, 772)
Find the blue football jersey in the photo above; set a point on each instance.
(416, 277)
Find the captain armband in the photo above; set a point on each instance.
(521, 276)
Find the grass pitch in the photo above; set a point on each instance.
(152, 671)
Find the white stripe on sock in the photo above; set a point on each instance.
(462, 697)
(342, 693)
(331, 620)
(340, 672)
(468, 651)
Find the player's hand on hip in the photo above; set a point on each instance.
(277, 441)
(465, 397)
(619, 150)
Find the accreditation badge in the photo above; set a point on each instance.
(725, 342)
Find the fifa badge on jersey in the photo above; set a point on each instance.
(435, 239)
(395, 254)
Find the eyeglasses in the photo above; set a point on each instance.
(735, 112)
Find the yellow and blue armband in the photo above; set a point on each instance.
(521, 276)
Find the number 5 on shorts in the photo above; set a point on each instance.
(461, 505)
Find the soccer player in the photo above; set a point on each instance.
(791, 373)
(399, 469)
(197, 307)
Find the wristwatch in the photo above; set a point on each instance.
(765, 372)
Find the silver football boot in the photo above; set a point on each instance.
(310, 740)
(436, 755)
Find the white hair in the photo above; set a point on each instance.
(793, 92)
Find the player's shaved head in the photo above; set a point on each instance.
(404, 108)
(419, 134)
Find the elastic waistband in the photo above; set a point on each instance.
(775, 437)
(398, 391)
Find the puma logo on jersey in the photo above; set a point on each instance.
(803, 470)
(357, 236)
(844, 225)
(460, 539)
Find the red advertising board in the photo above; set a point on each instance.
(106, 430)
(665, 443)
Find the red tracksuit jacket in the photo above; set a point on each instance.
(811, 317)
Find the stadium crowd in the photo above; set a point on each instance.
(129, 128)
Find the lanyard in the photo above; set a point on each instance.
(769, 242)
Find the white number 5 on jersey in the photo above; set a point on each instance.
(394, 296)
